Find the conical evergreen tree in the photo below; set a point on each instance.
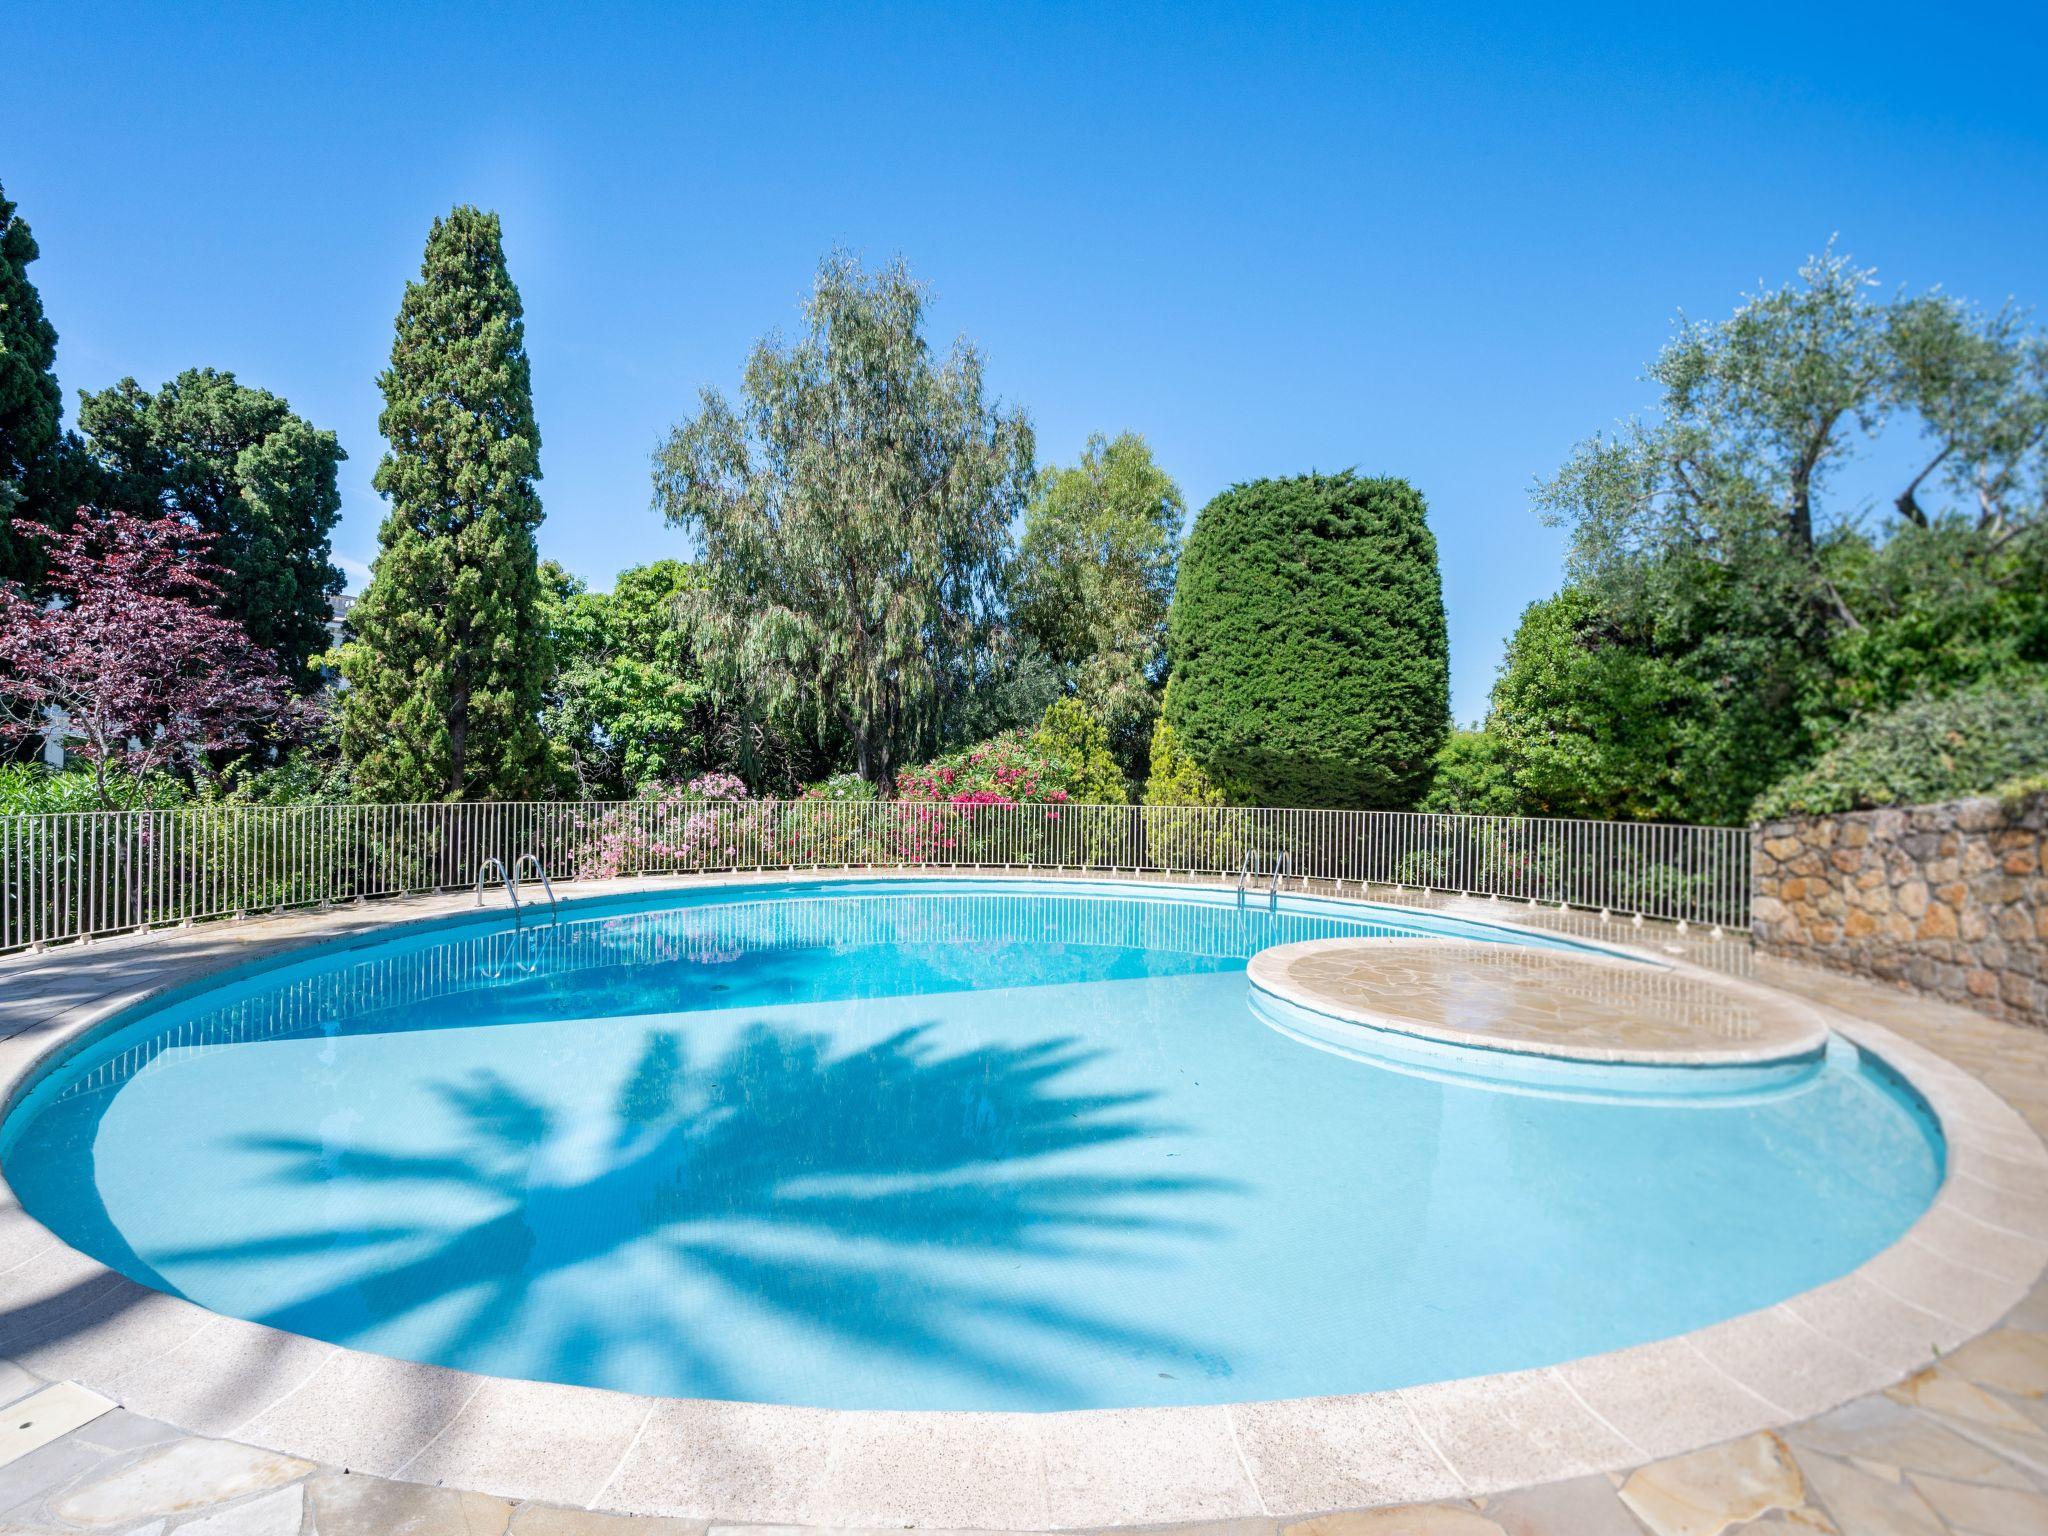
(31, 404)
(448, 656)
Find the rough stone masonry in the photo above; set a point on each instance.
(1950, 899)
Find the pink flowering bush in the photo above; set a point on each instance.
(1010, 769)
(945, 818)
(709, 823)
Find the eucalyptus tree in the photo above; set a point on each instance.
(449, 656)
(854, 511)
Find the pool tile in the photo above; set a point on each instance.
(1499, 1432)
(979, 1471)
(1917, 1274)
(122, 1324)
(366, 1412)
(1786, 1362)
(1120, 1467)
(532, 1440)
(1666, 1397)
(1966, 1240)
(1331, 1452)
(740, 1461)
(223, 1375)
(1895, 1334)
(2024, 1212)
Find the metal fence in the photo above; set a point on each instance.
(80, 874)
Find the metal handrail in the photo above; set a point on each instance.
(483, 869)
(1283, 865)
(554, 909)
(1244, 873)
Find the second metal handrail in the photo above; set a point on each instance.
(554, 910)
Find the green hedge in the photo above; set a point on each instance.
(1310, 665)
(1971, 743)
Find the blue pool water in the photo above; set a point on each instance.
(930, 1145)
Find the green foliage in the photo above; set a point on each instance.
(1722, 585)
(1175, 777)
(449, 657)
(308, 775)
(1589, 721)
(841, 787)
(31, 789)
(1310, 665)
(1011, 686)
(854, 512)
(1075, 738)
(1093, 580)
(238, 463)
(2016, 792)
(1473, 777)
(630, 705)
(32, 442)
(1943, 748)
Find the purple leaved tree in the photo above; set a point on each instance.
(128, 648)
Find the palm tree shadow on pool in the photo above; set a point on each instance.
(868, 1197)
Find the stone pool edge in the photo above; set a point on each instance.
(1971, 1256)
(1268, 972)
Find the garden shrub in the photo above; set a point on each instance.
(1472, 777)
(1974, 742)
(31, 789)
(1176, 778)
(1310, 664)
(1074, 737)
(841, 787)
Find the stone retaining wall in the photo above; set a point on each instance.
(1948, 899)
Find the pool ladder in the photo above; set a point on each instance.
(1283, 865)
(510, 880)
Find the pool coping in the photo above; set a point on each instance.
(1969, 1258)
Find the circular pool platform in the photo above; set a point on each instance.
(1573, 1004)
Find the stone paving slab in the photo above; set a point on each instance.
(1953, 1440)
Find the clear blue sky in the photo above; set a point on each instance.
(1270, 238)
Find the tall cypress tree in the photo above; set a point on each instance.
(449, 657)
(31, 404)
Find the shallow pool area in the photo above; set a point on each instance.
(922, 1144)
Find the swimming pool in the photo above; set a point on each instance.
(910, 1144)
